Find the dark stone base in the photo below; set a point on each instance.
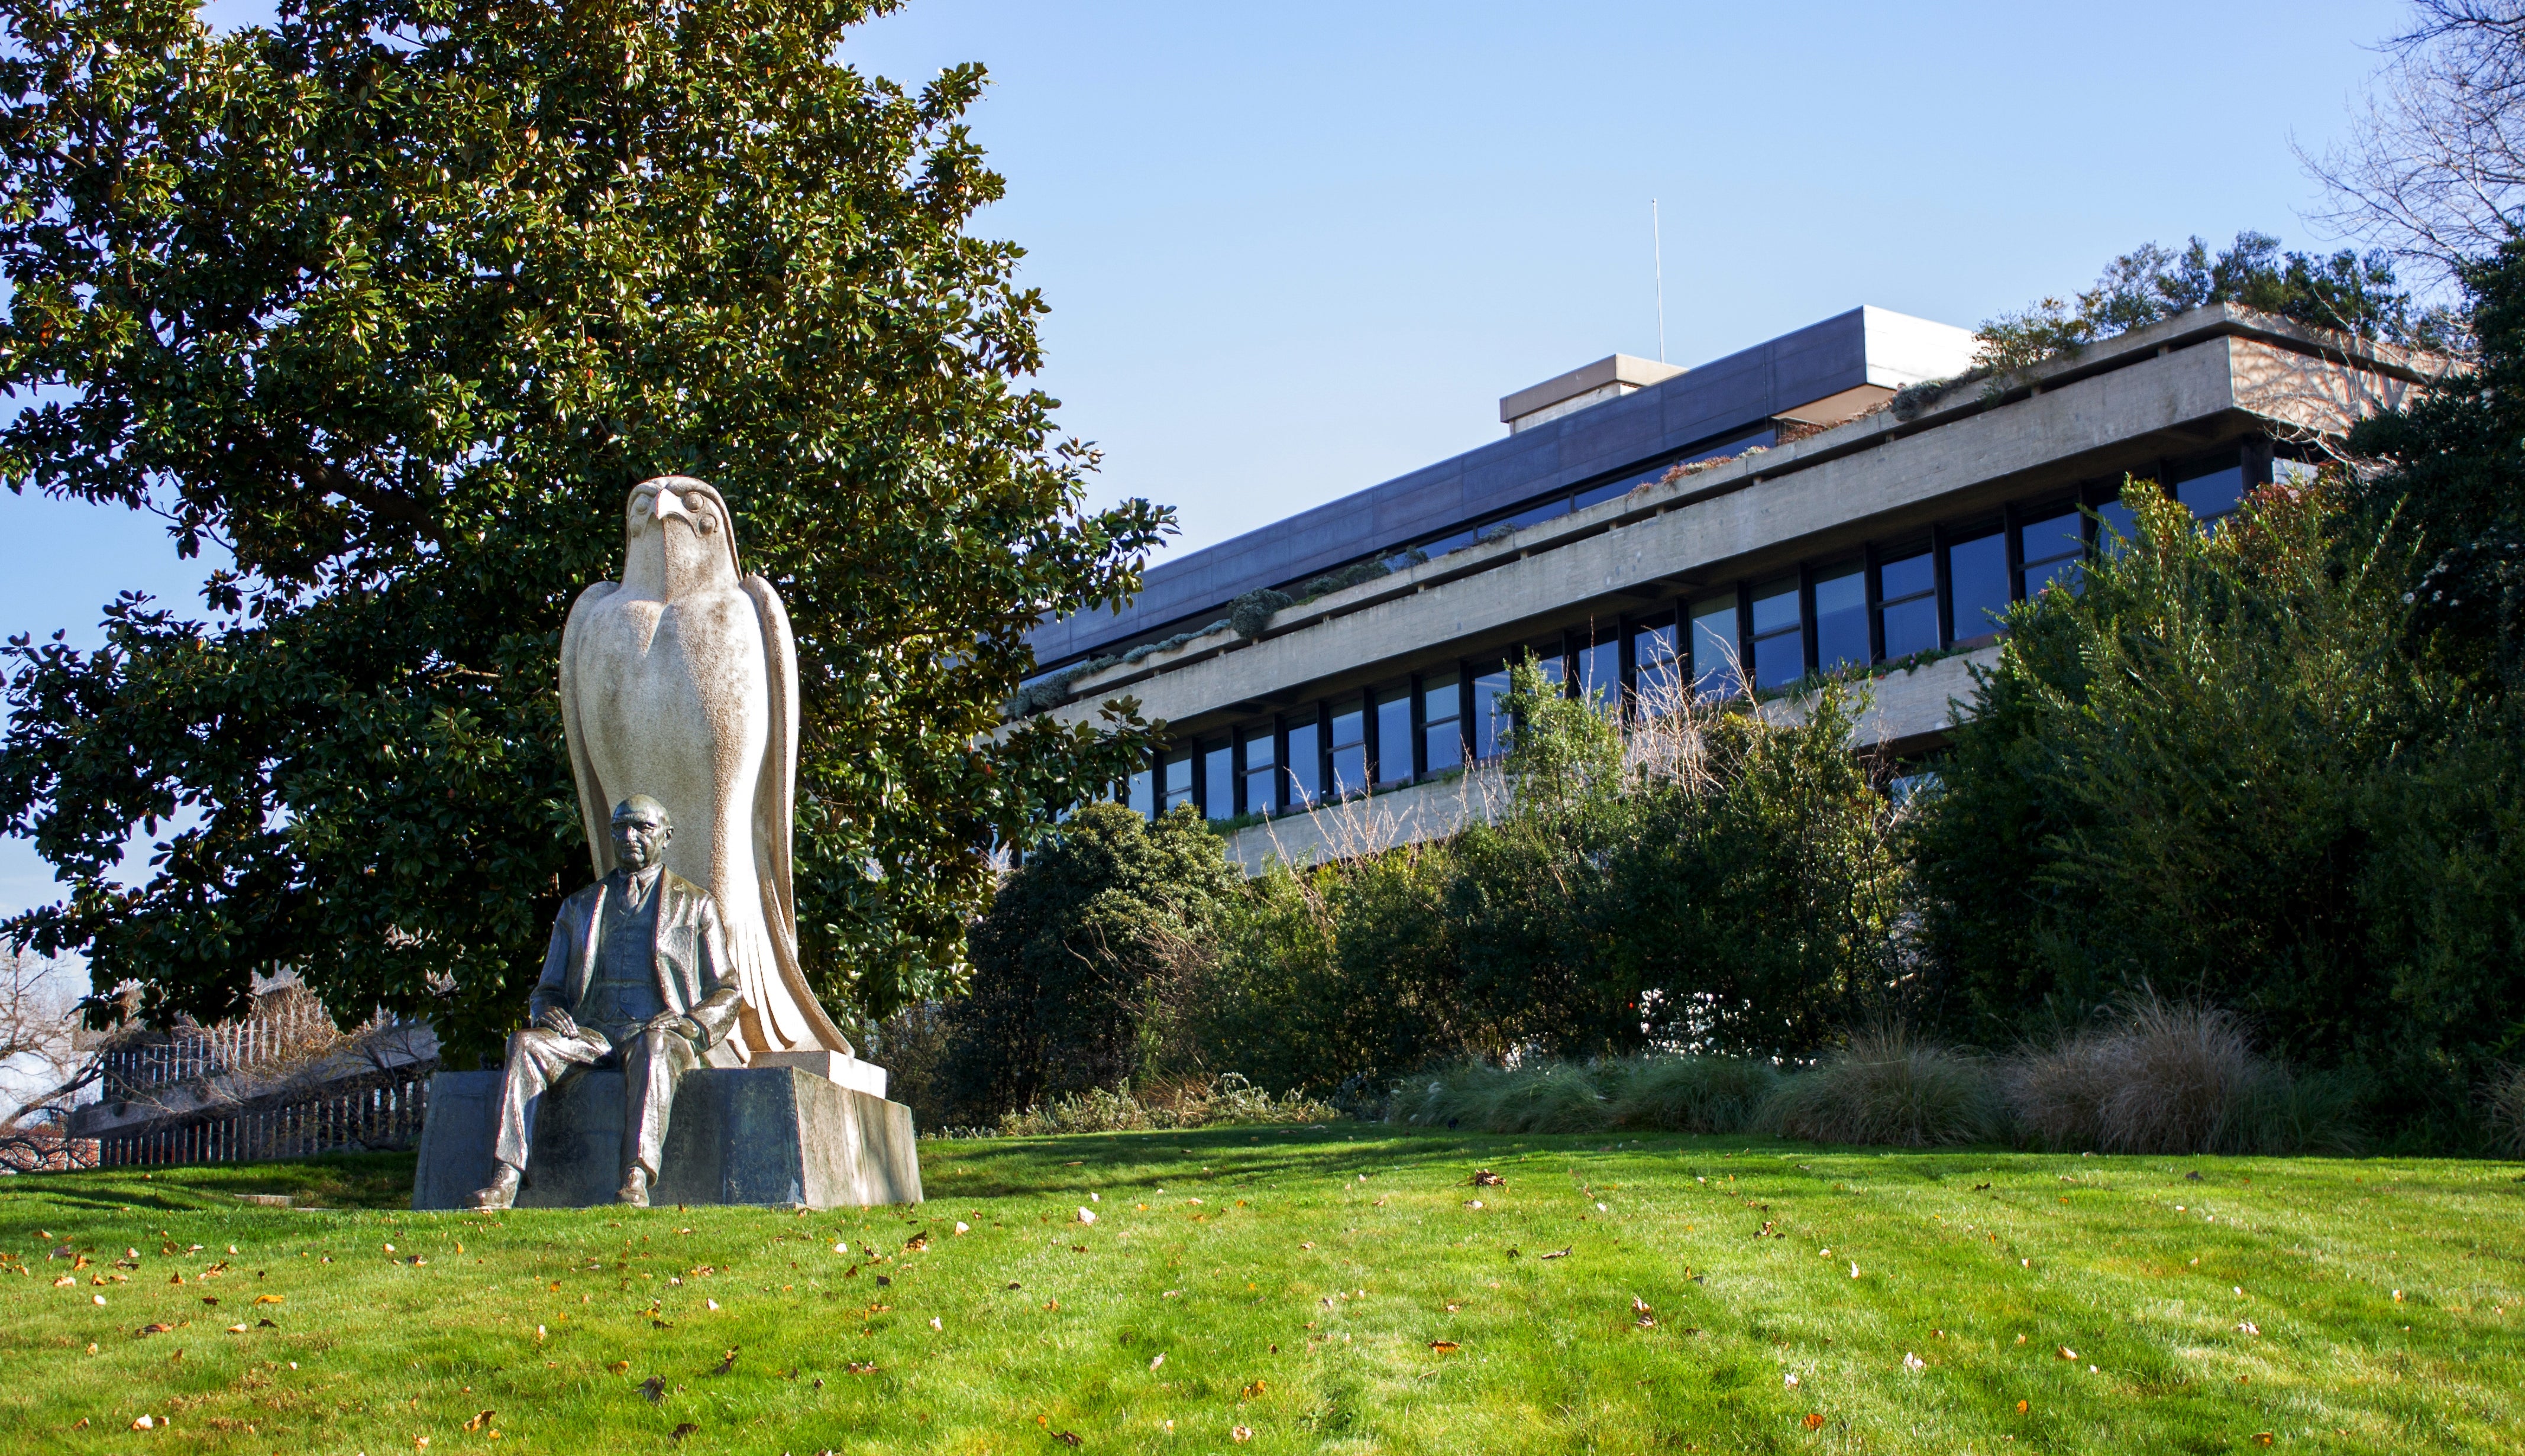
(771, 1135)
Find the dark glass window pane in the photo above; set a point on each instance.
(1766, 437)
(1262, 771)
(1910, 627)
(1841, 620)
(1979, 573)
(1142, 795)
(1490, 715)
(1349, 746)
(1714, 668)
(1179, 779)
(1394, 734)
(1218, 781)
(1599, 672)
(1909, 576)
(1779, 639)
(2115, 528)
(2070, 574)
(2213, 495)
(1442, 735)
(2051, 538)
(1302, 773)
(1656, 676)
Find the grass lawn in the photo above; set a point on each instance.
(1320, 1289)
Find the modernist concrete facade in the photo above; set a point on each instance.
(1739, 528)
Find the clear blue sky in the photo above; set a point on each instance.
(1294, 250)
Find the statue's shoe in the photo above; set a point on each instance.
(501, 1192)
(635, 1188)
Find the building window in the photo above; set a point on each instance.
(1597, 667)
(1178, 786)
(2211, 495)
(1347, 751)
(1442, 725)
(1977, 576)
(1141, 793)
(2051, 550)
(1715, 670)
(1261, 771)
(1841, 618)
(1656, 669)
(2115, 526)
(1303, 769)
(1394, 734)
(1218, 781)
(1779, 634)
(1907, 610)
(1490, 713)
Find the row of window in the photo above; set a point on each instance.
(1950, 588)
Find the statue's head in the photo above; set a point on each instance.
(678, 539)
(641, 832)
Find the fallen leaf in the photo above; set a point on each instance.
(918, 1242)
(64, 1282)
(1241, 1434)
(620, 1367)
(1254, 1389)
(480, 1421)
(2023, 1406)
(2068, 1353)
(1815, 1420)
(1914, 1363)
(1444, 1346)
(964, 1227)
(1157, 1360)
(237, 1328)
(1555, 1254)
(270, 1298)
(1065, 1437)
(154, 1328)
(1087, 1215)
(2264, 1438)
(726, 1364)
(684, 1429)
(2248, 1327)
(655, 1387)
(860, 1367)
(1484, 1178)
(145, 1423)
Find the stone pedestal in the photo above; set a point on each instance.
(772, 1136)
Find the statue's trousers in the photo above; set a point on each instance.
(540, 1060)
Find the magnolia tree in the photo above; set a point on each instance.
(393, 301)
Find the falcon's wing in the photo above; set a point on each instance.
(775, 812)
(594, 811)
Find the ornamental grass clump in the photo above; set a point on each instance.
(1691, 1093)
(2504, 1105)
(2173, 1079)
(1547, 1098)
(1889, 1088)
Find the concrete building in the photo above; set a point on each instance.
(1330, 682)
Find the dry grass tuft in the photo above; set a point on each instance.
(2171, 1079)
(1890, 1087)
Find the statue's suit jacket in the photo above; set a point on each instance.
(691, 960)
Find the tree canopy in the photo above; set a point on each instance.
(395, 300)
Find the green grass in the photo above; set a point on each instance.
(1301, 1297)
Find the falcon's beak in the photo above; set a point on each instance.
(670, 504)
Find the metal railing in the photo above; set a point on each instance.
(371, 1113)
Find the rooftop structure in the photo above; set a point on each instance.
(1735, 531)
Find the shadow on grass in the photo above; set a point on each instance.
(336, 1180)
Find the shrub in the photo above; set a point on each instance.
(2173, 1079)
(1659, 1094)
(2504, 1111)
(1889, 1088)
(1071, 964)
(1710, 1094)
(1227, 1099)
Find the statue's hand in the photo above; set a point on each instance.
(556, 1021)
(676, 1023)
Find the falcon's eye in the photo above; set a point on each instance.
(706, 519)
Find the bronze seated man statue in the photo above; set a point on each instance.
(637, 975)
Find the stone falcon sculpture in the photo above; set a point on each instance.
(680, 682)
